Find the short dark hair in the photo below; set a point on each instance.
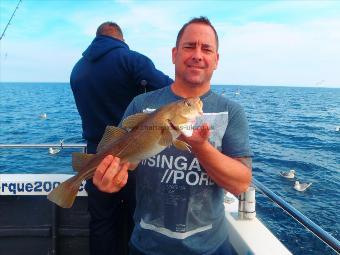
(199, 20)
(109, 28)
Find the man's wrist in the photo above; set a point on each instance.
(202, 148)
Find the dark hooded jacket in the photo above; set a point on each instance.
(106, 79)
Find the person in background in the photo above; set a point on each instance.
(104, 81)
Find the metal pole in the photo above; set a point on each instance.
(301, 218)
(44, 145)
(16, 8)
(54, 230)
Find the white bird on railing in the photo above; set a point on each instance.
(301, 186)
(53, 151)
(290, 174)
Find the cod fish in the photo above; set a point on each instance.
(148, 134)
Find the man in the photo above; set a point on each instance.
(179, 194)
(104, 81)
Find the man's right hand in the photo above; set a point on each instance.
(111, 176)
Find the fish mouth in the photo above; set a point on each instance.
(185, 129)
(179, 128)
(173, 126)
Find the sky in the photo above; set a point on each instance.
(272, 43)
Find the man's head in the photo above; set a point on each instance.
(196, 53)
(110, 29)
(199, 20)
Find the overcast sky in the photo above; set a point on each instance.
(289, 43)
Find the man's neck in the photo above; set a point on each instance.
(187, 90)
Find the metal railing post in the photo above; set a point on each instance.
(54, 229)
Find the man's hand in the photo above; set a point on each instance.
(111, 176)
(199, 137)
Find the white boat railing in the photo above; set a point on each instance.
(319, 232)
(60, 145)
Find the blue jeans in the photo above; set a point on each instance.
(111, 219)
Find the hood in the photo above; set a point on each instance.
(101, 45)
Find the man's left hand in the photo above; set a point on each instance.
(199, 137)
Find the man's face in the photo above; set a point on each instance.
(196, 57)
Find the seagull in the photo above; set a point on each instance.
(53, 151)
(43, 116)
(290, 174)
(301, 186)
(337, 128)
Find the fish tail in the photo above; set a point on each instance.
(65, 194)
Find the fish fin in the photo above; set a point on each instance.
(183, 146)
(79, 160)
(111, 134)
(65, 194)
(166, 137)
(133, 120)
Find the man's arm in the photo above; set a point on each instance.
(146, 74)
(232, 174)
(247, 161)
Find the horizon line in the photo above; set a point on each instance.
(256, 85)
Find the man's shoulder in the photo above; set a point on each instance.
(136, 54)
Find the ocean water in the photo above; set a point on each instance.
(290, 128)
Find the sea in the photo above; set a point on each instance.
(290, 128)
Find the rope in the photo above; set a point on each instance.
(16, 8)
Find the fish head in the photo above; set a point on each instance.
(183, 113)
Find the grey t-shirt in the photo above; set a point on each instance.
(179, 207)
